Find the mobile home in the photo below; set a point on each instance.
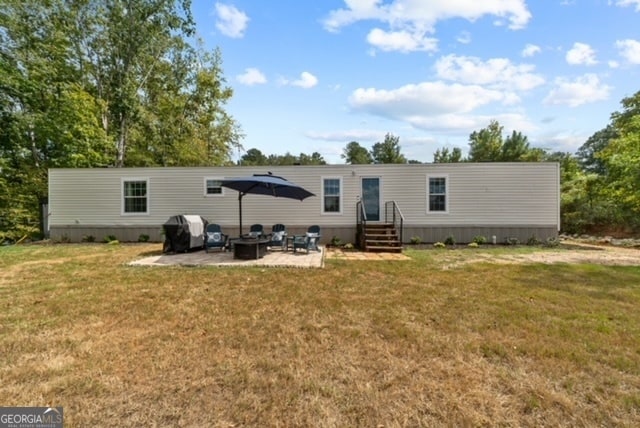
(434, 201)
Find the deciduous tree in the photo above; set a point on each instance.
(589, 152)
(388, 151)
(253, 157)
(621, 158)
(104, 82)
(486, 145)
(354, 154)
(444, 156)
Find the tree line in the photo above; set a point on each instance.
(103, 83)
(600, 183)
(386, 151)
(123, 83)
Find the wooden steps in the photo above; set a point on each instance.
(381, 238)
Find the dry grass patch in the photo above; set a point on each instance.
(355, 344)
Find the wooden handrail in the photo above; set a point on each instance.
(396, 217)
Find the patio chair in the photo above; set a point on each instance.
(256, 231)
(278, 236)
(309, 241)
(214, 238)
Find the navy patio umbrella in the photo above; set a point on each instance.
(264, 184)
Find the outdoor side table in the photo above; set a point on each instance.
(289, 244)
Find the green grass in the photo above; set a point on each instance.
(434, 341)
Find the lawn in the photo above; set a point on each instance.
(358, 343)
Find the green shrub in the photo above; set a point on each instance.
(439, 245)
(109, 238)
(480, 240)
(415, 240)
(533, 241)
(88, 238)
(552, 242)
(335, 241)
(512, 241)
(143, 238)
(450, 240)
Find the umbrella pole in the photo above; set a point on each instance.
(240, 195)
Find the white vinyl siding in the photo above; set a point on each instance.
(135, 196)
(505, 194)
(213, 187)
(331, 195)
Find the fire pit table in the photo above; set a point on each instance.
(249, 248)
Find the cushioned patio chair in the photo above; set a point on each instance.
(278, 236)
(308, 241)
(256, 231)
(214, 238)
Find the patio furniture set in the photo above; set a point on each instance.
(254, 245)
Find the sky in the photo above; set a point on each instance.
(313, 75)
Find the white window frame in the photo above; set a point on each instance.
(340, 196)
(122, 197)
(212, 195)
(446, 194)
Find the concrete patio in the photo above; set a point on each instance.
(299, 259)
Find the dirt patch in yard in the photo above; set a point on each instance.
(567, 252)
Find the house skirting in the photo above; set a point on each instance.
(345, 233)
(97, 233)
(466, 234)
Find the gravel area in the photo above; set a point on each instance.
(568, 252)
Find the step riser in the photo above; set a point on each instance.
(382, 238)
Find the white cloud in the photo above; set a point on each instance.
(581, 54)
(530, 50)
(498, 73)
(306, 81)
(624, 3)
(563, 141)
(456, 123)
(629, 49)
(356, 10)
(412, 19)
(231, 22)
(403, 41)
(251, 76)
(584, 89)
(348, 135)
(423, 100)
(422, 14)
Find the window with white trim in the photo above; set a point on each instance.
(213, 186)
(135, 196)
(437, 197)
(331, 195)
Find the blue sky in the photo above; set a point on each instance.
(311, 76)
